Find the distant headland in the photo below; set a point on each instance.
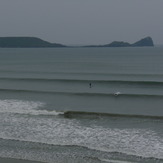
(26, 42)
(34, 42)
(147, 41)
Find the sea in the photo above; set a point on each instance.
(82, 105)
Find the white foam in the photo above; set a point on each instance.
(65, 131)
(24, 107)
(115, 161)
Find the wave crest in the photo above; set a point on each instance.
(24, 107)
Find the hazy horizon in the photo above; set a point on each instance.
(83, 22)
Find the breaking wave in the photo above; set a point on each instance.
(25, 107)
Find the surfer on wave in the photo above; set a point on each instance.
(117, 93)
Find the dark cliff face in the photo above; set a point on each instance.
(25, 42)
(144, 42)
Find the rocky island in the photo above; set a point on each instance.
(147, 41)
(26, 42)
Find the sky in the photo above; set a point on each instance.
(83, 22)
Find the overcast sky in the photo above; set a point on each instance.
(83, 21)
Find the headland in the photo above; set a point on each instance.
(147, 41)
(34, 42)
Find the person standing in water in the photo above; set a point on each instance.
(90, 85)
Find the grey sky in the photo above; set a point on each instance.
(83, 21)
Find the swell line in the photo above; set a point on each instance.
(145, 82)
(83, 73)
(82, 93)
(75, 114)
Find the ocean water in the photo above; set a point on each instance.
(49, 111)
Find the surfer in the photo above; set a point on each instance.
(117, 93)
(90, 85)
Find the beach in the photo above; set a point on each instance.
(12, 160)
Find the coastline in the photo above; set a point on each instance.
(13, 160)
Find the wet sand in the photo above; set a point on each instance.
(11, 160)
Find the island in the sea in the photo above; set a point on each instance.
(147, 41)
(34, 42)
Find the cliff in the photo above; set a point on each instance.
(144, 42)
(25, 42)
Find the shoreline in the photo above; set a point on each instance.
(14, 160)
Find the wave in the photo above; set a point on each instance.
(25, 107)
(82, 114)
(38, 108)
(82, 73)
(113, 94)
(144, 82)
